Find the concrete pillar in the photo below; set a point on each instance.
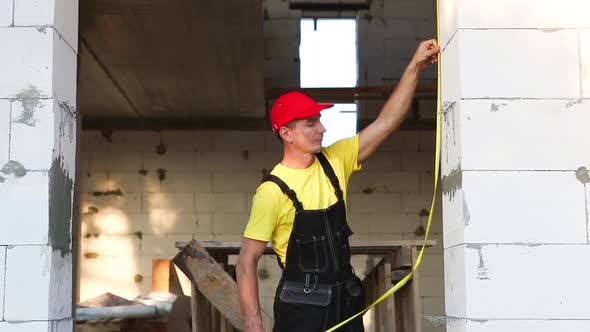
(37, 163)
(516, 96)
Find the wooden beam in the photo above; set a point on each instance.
(356, 247)
(217, 123)
(351, 94)
(213, 282)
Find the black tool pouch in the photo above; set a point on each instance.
(357, 296)
(295, 292)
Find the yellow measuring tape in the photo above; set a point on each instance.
(436, 174)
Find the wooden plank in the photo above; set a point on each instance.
(414, 303)
(403, 258)
(369, 284)
(408, 317)
(398, 275)
(355, 246)
(203, 316)
(213, 282)
(194, 309)
(377, 282)
(385, 310)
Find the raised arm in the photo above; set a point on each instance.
(396, 107)
(250, 254)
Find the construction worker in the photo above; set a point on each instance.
(300, 206)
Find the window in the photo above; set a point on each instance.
(328, 59)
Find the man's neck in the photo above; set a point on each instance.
(297, 159)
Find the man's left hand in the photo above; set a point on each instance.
(426, 53)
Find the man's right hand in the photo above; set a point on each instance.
(254, 326)
(250, 254)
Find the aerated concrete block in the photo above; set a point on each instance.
(2, 280)
(507, 75)
(185, 140)
(25, 326)
(449, 24)
(236, 181)
(184, 181)
(520, 273)
(26, 64)
(461, 325)
(25, 205)
(585, 61)
(66, 21)
(38, 284)
(34, 12)
(376, 202)
(5, 124)
(535, 14)
(514, 207)
(174, 202)
(556, 137)
(33, 133)
(6, 12)
(385, 182)
(112, 161)
(135, 141)
(171, 161)
(229, 223)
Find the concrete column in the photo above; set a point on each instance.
(516, 96)
(37, 162)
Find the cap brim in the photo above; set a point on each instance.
(313, 112)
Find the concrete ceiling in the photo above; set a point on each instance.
(171, 59)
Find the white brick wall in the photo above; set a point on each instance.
(35, 275)
(542, 215)
(18, 196)
(37, 156)
(584, 35)
(516, 204)
(507, 75)
(518, 325)
(5, 109)
(523, 14)
(37, 85)
(6, 7)
(490, 275)
(2, 280)
(211, 199)
(61, 326)
(27, 62)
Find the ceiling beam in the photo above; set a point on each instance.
(245, 124)
(350, 95)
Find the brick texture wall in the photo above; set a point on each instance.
(137, 203)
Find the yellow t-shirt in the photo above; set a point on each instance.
(273, 213)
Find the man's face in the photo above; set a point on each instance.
(307, 134)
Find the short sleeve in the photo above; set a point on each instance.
(346, 151)
(264, 215)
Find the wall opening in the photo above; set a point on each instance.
(328, 59)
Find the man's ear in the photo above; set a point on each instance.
(285, 134)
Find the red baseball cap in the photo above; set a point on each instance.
(293, 106)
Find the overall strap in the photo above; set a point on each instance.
(285, 189)
(329, 171)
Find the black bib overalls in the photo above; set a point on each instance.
(318, 288)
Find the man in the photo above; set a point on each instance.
(300, 206)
